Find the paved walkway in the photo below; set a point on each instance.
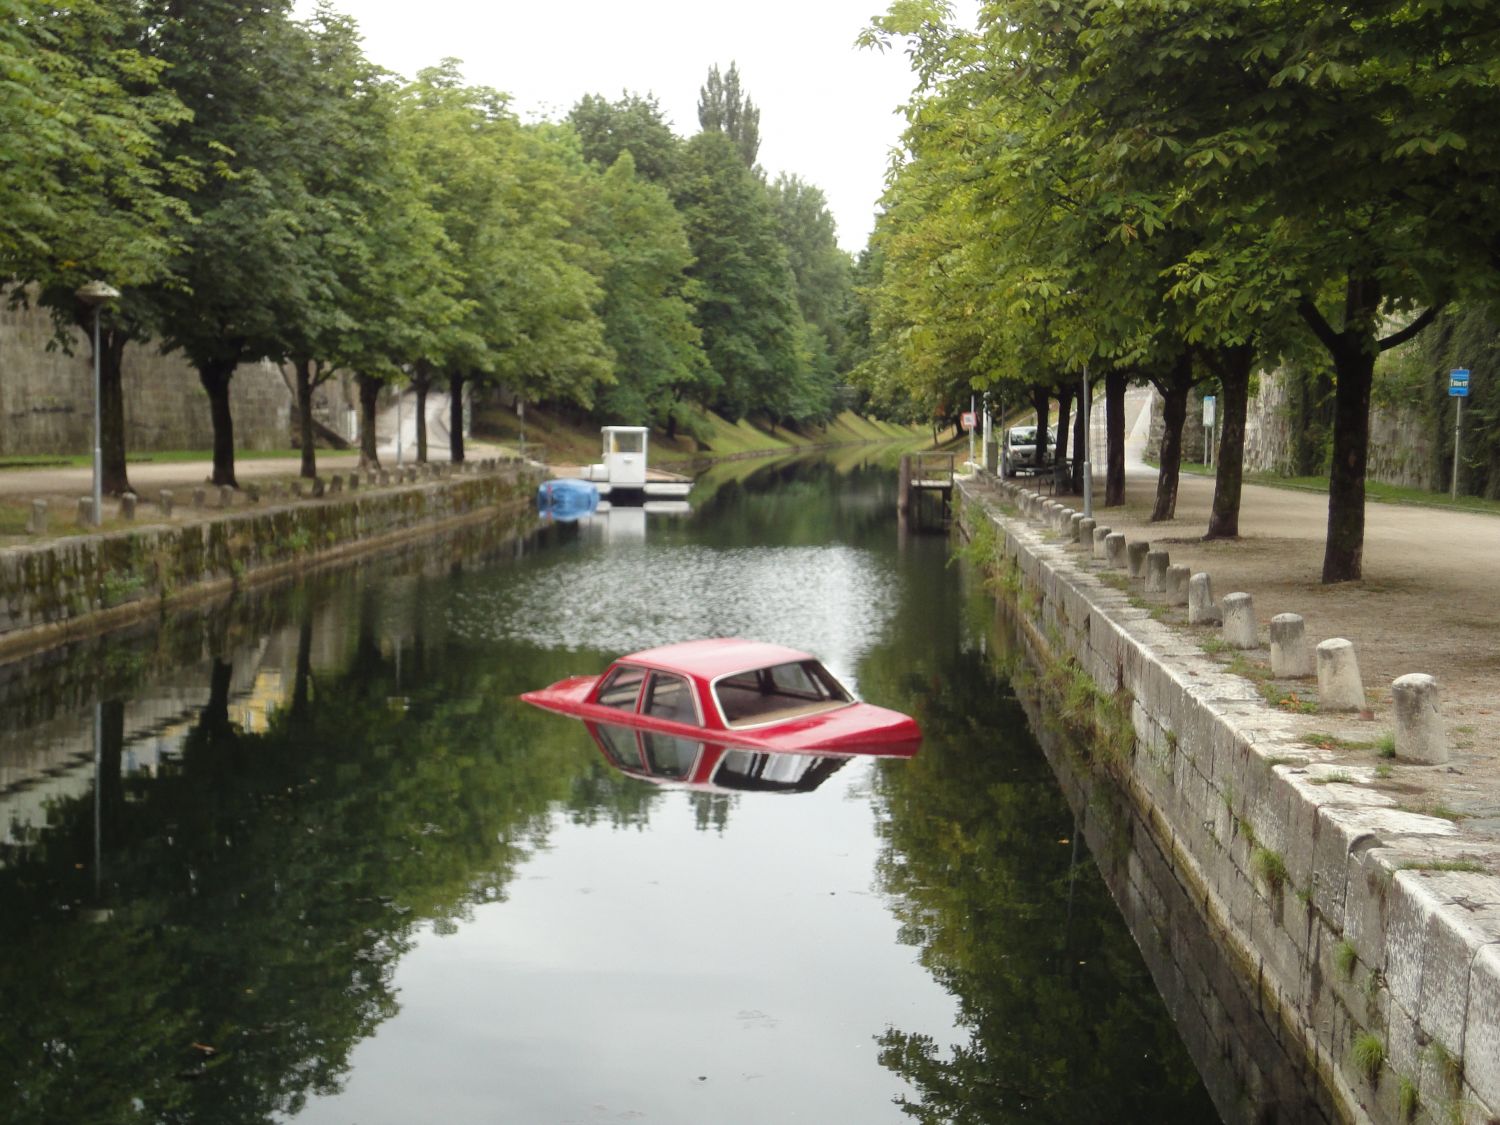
(1429, 602)
(62, 487)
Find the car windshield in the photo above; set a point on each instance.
(781, 691)
(1023, 435)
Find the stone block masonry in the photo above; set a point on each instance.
(1370, 933)
(85, 583)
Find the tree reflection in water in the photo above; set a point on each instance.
(240, 933)
(984, 868)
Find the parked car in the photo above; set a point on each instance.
(735, 692)
(1019, 451)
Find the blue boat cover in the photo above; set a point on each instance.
(566, 499)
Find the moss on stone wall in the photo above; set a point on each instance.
(74, 579)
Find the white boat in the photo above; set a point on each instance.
(623, 474)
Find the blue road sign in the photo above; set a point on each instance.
(1458, 382)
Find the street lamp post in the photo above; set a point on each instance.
(96, 294)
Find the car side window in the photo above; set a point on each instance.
(670, 697)
(621, 688)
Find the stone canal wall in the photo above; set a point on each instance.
(84, 583)
(1372, 946)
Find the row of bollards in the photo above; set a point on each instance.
(317, 488)
(1415, 698)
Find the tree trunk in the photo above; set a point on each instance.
(1343, 552)
(215, 376)
(1233, 366)
(456, 418)
(111, 779)
(1041, 401)
(308, 440)
(369, 396)
(421, 380)
(1174, 416)
(1114, 437)
(114, 481)
(1061, 476)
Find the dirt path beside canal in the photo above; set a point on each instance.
(1429, 602)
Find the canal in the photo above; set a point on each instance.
(309, 859)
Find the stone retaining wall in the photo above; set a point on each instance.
(1335, 902)
(85, 582)
(46, 396)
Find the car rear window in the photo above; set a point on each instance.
(781, 691)
(621, 687)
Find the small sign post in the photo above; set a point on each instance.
(1458, 390)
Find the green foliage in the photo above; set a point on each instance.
(1408, 1098)
(85, 178)
(1345, 958)
(724, 107)
(634, 124)
(660, 371)
(1368, 1053)
(746, 298)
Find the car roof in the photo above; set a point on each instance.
(716, 657)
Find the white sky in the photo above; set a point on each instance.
(828, 109)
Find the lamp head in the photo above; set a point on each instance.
(96, 293)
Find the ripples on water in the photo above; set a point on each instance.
(835, 601)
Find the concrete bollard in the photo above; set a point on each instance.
(385, 477)
(1086, 528)
(1100, 535)
(294, 490)
(37, 525)
(1114, 550)
(1239, 621)
(1201, 607)
(1135, 558)
(1339, 685)
(1290, 658)
(318, 488)
(1176, 586)
(85, 511)
(252, 494)
(1419, 721)
(1071, 531)
(164, 502)
(336, 483)
(353, 482)
(1156, 571)
(226, 496)
(127, 506)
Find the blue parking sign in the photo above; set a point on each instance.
(1458, 382)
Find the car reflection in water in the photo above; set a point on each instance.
(686, 763)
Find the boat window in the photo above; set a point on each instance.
(670, 697)
(781, 691)
(628, 442)
(619, 744)
(667, 756)
(621, 687)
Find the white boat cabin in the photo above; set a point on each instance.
(624, 457)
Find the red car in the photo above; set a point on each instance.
(737, 693)
(688, 763)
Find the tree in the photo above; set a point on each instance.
(660, 370)
(822, 272)
(508, 198)
(725, 108)
(746, 304)
(633, 124)
(85, 185)
(1364, 260)
(243, 262)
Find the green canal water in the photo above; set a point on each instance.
(307, 858)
